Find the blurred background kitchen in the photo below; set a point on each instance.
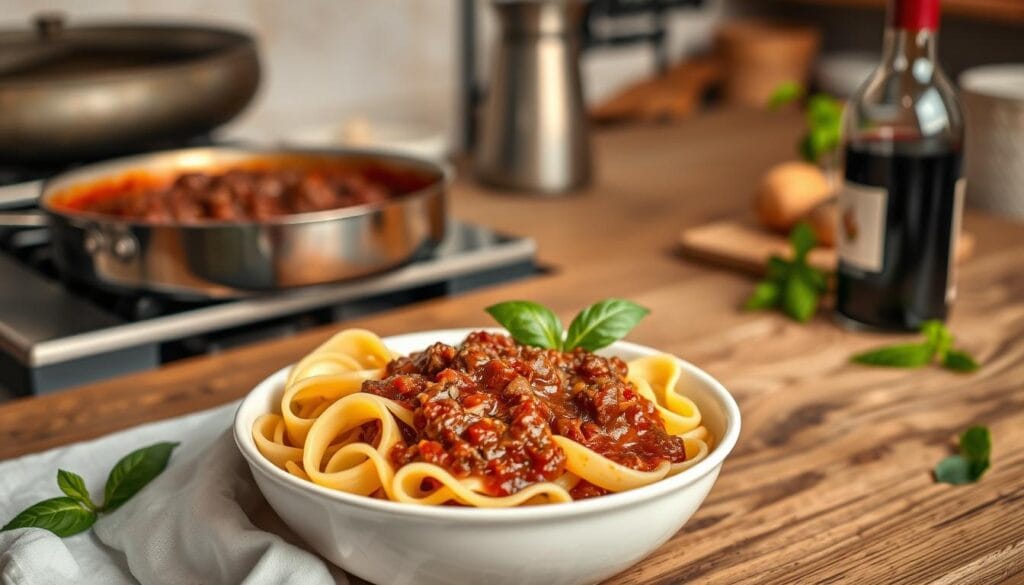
(318, 67)
(409, 74)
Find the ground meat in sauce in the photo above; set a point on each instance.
(238, 194)
(490, 407)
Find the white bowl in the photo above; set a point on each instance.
(573, 543)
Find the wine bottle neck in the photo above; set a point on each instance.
(904, 47)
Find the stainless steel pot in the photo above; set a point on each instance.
(217, 259)
(74, 93)
(535, 135)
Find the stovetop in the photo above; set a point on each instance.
(55, 334)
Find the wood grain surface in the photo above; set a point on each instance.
(746, 247)
(830, 481)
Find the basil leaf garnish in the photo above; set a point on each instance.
(529, 323)
(134, 471)
(63, 516)
(73, 486)
(595, 327)
(973, 460)
(909, 355)
(603, 323)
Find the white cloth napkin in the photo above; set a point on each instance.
(201, 521)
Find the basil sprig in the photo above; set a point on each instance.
(529, 323)
(134, 471)
(596, 326)
(972, 461)
(75, 511)
(937, 347)
(824, 118)
(794, 286)
(63, 516)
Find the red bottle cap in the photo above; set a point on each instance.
(915, 14)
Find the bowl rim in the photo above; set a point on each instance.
(247, 446)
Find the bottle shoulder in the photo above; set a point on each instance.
(916, 100)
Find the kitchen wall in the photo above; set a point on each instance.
(332, 59)
(320, 57)
(963, 42)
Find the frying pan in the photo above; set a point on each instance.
(85, 92)
(224, 259)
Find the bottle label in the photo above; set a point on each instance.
(954, 238)
(861, 226)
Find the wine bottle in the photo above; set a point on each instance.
(902, 195)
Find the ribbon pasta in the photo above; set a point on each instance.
(317, 434)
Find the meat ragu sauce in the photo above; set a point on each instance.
(490, 407)
(233, 195)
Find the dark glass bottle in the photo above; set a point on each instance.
(902, 195)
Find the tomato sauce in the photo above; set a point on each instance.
(490, 407)
(234, 195)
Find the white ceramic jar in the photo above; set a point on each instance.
(993, 97)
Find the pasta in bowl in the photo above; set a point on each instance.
(381, 454)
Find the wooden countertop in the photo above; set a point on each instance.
(831, 479)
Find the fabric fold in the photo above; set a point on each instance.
(193, 524)
(202, 521)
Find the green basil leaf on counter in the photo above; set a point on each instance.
(972, 461)
(908, 355)
(806, 149)
(803, 241)
(953, 470)
(786, 93)
(959, 361)
(823, 117)
(603, 323)
(73, 486)
(778, 269)
(938, 346)
(812, 276)
(976, 445)
(766, 295)
(799, 298)
(63, 516)
(939, 337)
(794, 286)
(134, 471)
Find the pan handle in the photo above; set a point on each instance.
(22, 219)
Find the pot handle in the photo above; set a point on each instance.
(22, 219)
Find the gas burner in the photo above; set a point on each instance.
(55, 334)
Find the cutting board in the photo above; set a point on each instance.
(746, 247)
